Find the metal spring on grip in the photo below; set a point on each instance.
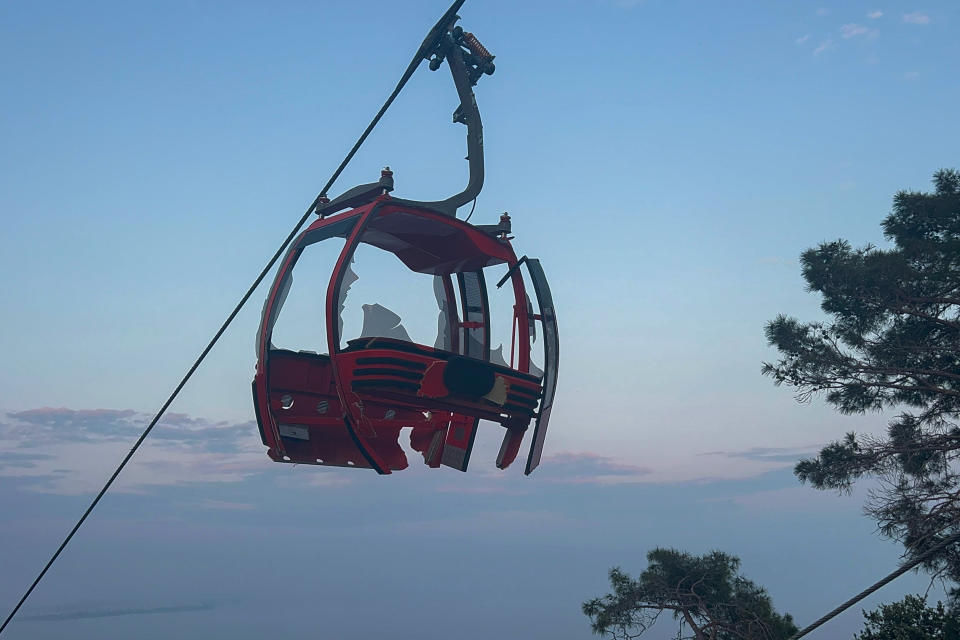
(474, 45)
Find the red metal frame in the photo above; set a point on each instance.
(347, 408)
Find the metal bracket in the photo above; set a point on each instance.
(511, 271)
(357, 196)
(468, 60)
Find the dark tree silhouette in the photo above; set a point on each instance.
(704, 594)
(892, 342)
(910, 619)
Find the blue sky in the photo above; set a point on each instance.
(667, 162)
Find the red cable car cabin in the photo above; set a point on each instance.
(346, 408)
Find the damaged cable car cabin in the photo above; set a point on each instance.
(346, 407)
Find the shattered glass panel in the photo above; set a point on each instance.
(299, 321)
(535, 370)
(349, 277)
(444, 339)
(281, 300)
(501, 305)
(551, 346)
(531, 322)
(381, 297)
(551, 343)
(534, 333)
(550, 338)
(380, 322)
(505, 326)
(496, 356)
(473, 297)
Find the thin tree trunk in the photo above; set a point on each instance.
(696, 630)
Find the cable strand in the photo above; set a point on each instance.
(877, 585)
(160, 413)
(470, 215)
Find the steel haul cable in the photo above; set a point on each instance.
(877, 585)
(425, 48)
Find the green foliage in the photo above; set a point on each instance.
(892, 341)
(910, 619)
(704, 594)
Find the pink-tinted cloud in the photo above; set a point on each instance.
(787, 455)
(180, 420)
(591, 468)
(72, 451)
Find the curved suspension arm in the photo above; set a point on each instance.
(469, 114)
(468, 60)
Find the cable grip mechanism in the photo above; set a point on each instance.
(476, 57)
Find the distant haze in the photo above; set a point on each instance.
(666, 162)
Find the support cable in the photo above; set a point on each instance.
(159, 414)
(946, 542)
(424, 50)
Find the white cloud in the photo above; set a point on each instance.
(853, 30)
(826, 45)
(873, 15)
(802, 39)
(916, 18)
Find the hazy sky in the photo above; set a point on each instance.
(666, 161)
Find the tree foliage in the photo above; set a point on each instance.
(910, 619)
(704, 594)
(892, 341)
